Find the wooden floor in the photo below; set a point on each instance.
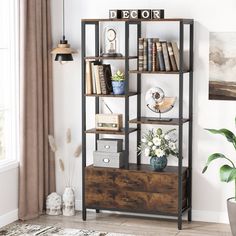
(145, 226)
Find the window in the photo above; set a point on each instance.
(9, 79)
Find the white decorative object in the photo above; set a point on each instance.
(53, 204)
(68, 197)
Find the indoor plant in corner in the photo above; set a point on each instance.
(118, 83)
(158, 146)
(227, 173)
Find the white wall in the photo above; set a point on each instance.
(8, 196)
(209, 194)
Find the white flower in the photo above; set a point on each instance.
(159, 152)
(146, 152)
(172, 146)
(150, 144)
(157, 141)
(144, 140)
(154, 147)
(167, 137)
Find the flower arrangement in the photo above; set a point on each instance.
(158, 144)
(118, 76)
(66, 164)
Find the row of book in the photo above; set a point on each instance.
(98, 78)
(155, 55)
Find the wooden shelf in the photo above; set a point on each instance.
(156, 72)
(121, 132)
(145, 168)
(112, 95)
(185, 21)
(146, 120)
(109, 58)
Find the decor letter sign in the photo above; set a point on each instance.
(137, 14)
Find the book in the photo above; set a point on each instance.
(145, 54)
(97, 79)
(172, 57)
(176, 53)
(155, 65)
(107, 77)
(140, 54)
(160, 57)
(89, 78)
(166, 56)
(102, 79)
(150, 61)
(93, 63)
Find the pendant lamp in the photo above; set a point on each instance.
(63, 51)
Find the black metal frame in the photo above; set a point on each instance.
(182, 22)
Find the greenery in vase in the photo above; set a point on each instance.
(157, 143)
(118, 76)
(227, 171)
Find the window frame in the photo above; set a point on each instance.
(12, 160)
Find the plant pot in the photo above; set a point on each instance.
(158, 163)
(118, 87)
(68, 208)
(231, 205)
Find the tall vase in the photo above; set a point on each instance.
(158, 163)
(68, 198)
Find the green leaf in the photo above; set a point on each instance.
(212, 158)
(227, 133)
(227, 173)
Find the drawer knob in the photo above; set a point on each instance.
(106, 160)
(107, 146)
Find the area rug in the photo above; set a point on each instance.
(17, 229)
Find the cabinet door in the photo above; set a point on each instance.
(146, 182)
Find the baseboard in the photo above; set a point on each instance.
(205, 216)
(8, 218)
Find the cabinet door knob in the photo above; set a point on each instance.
(106, 160)
(107, 146)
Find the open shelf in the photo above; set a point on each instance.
(121, 132)
(110, 58)
(112, 95)
(150, 120)
(156, 72)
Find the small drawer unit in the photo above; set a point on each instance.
(108, 159)
(110, 145)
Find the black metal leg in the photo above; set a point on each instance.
(97, 211)
(84, 214)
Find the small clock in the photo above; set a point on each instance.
(110, 43)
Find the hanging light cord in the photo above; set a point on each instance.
(63, 19)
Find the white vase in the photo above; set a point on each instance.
(53, 204)
(68, 198)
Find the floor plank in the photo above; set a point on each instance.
(137, 225)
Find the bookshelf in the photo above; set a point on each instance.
(136, 188)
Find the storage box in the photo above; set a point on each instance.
(110, 145)
(108, 159)
(112, 122)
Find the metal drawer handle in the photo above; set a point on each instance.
(107, 146)
(106, 160)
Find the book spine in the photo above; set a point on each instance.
(140, 54)
(176, 53)
(97, 80)
(155, 65)
(172, 57)
(150, 41)
(102, 79)
(145, 55)
(166, 56)
(88, 78)
(160, 57)
(107, 77)
(93, 78)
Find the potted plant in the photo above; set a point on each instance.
(227, 173)
(118, 83)
(158, 146)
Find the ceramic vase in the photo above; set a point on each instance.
(158, 163)
(118, 87)
(231, 205)
(53, 204)
(68, 198)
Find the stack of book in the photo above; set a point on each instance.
(154, 55)
(98, 78)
